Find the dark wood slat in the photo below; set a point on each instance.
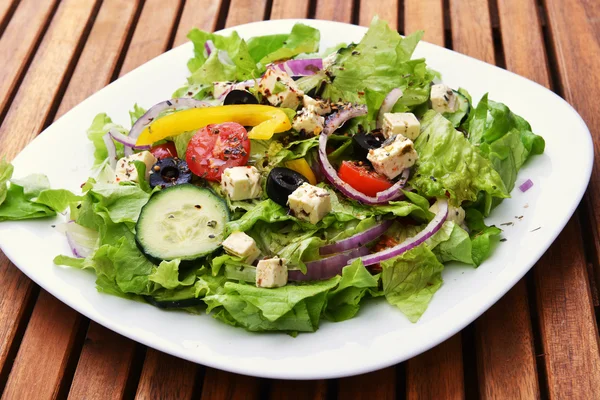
(201, 14)
(152, 33)
(166, 377)
(437, 374)
(335, 10)
(567, 322)
(301, 390)
(374, 385)
(42, 358)
(245, 11)
(472, 29)
(6, 7)
(385, 9)
(103, 366)
(427, 15)
(505, 353)
(289, 9)
(18, 43)
(101, 52)
(221, 385)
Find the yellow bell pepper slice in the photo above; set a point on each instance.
(266, 121)
(301, 166)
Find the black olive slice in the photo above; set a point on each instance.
(281, 183)
(239, 97)
(169, 172)
(363, 142)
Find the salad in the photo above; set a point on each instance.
(285, 184)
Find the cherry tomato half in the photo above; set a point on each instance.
(164, 150)
(217, 147)
(363, 178)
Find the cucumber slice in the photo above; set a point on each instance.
(180, 299)
(464, 107)
(182, 221)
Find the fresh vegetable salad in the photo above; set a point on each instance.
(284, 184)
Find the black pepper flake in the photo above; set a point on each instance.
(211, 224)
(78, 206)
(507, 224)
(538, 228)
(169, 103)
(433, 178)
(171, 216)
(211, 236)
(503, 240)
(198, 206)
(53, 226)
(280, 261)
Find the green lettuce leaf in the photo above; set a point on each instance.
(167, 275)
(16, 206)
(302, 39)
(452, 243)
(483, 237)
(100, 127)
(57, 199)
(32, 184)
(136, 113)
(122, 203)
(449, 163)
(6, 171)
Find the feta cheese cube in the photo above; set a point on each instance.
(308, 121)
(241, 183)
(443, 99)
(239, 244)
(280, 89)
(310, 203)
(455, 214)
(126, 171)
(405, 124)
(272, 273)
(321, 107)
(391, 159)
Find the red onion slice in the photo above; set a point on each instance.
(304, 67)
(155, 110)
(209, 46)
(336, 120)
(387, 105)
(126, 141)
(330, 173)
(412, 242)
(356, 241)
(525, 186)
(112, 150)
(82, 240)
(244, 85)
(327, 267)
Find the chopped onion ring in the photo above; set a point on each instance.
(112, 150)
(387, 105)
(327, 267)
(525, 186)
(358, 240)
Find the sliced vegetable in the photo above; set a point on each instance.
(412, 242)
(239, 97)
(184, 221)
(164, 150)
(363, 142)
(266, 121)
(363, 178)
(327, 267)
(388, 104)
(282, 182)
(301, 166)
(356, 241)
(126, 141)
(82, 241)
(464, 107)
(302, 67)
(346, 112)
(525, 186)
(112, 150)
(169, 172)
(217, 147)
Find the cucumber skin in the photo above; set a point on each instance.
(183, 263)
(174, 303)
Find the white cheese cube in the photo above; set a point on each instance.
(310, 203)
(239, 244)
(391, 159)
(280, 89)
(321, 107)
(405, 124)
(443, 99)
(455, 214)
(241, 183)
(307, 121)
(271, 273)
(126, 171)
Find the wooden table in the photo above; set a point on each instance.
(540, 340)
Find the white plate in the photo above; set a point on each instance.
(380, 335)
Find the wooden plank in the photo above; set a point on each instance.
(166, 377)
(101, 52)
(301, 390)
(18, 43)
(374, 385)
(221, 385)
(103, 366)
(437, 374)
(152, 34)
(201, 14)
(472, 29)
(335, 10)
(6, 8)
(567, 323)
(427, 15)
(42, 358)
(385, 9)
(245, 11)
(575, 34)
(289, 9)
(505, 353)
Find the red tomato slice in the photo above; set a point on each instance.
(217, 147)
(164, 150)
(363, 178)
